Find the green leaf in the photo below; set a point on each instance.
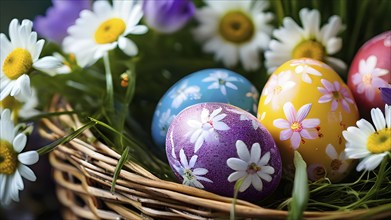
(118, 168)
(48, 148)
(300, 193)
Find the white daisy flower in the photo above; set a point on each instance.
(21, 109)
(338, 161)
(234, 30)
(183, 93)
(191, 176)
(18, 58)
(221, 80)
(103, 29)
(277, 87)
(364, 142)
(368, 79)
(13, 163)
(63, 68)
(293, 41)
(206, 128)
(250, 166)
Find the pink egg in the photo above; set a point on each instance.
(370, 70)
(213, 145)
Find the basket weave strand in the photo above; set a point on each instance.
(83, 172)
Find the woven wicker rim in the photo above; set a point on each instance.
(83, 173)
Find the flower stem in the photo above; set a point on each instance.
(374, 188)
(109, 83)
(279, 11)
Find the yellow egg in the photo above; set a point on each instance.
(305, 105)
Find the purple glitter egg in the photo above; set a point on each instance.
(213, 145)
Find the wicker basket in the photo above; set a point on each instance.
(83, 173)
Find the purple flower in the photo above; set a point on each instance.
(58, 18)
(386, 94)
(167, 16)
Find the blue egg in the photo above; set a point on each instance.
(208, 85)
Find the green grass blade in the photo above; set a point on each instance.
(118, 168)
(300, 192)
(48, 148)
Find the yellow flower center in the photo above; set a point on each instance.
(296, 126)
(11, 103)
(277, 90)
(367, 79)
(253, 168)
(8, 158)
(310, 49)
(335, 94)
(109, 31)
(379, 141)
(188, 174)
(17, 63)
(237, 27)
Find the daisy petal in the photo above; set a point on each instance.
(242, 150)
(237, 164)
(27, 172)
(19, 142)
(236, 175)
(378, 119)
(256, 182)
(28, 158)
(245, 184)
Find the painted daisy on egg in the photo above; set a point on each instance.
(293, 41)
(221, 80)
(191, 175)
(234, 31)
(13, 162)
(338, 161)
(334, 93)
(165, 121)
(19, 57)
(368, 79)
(296, 126)
(276, 87)
(245, 117)
(103, 29)
(254, 94)
(250, 166)
(183, 93)
(367, 143)
(304, 67)
(206, 128)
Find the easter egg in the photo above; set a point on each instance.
(213, 145)
(209, 85)
(370, 70)
(305, 106)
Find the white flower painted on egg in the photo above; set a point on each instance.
(191, 176)
(221, 80)
(206, 128)
(250, 166)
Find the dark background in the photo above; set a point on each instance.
(38, 199)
